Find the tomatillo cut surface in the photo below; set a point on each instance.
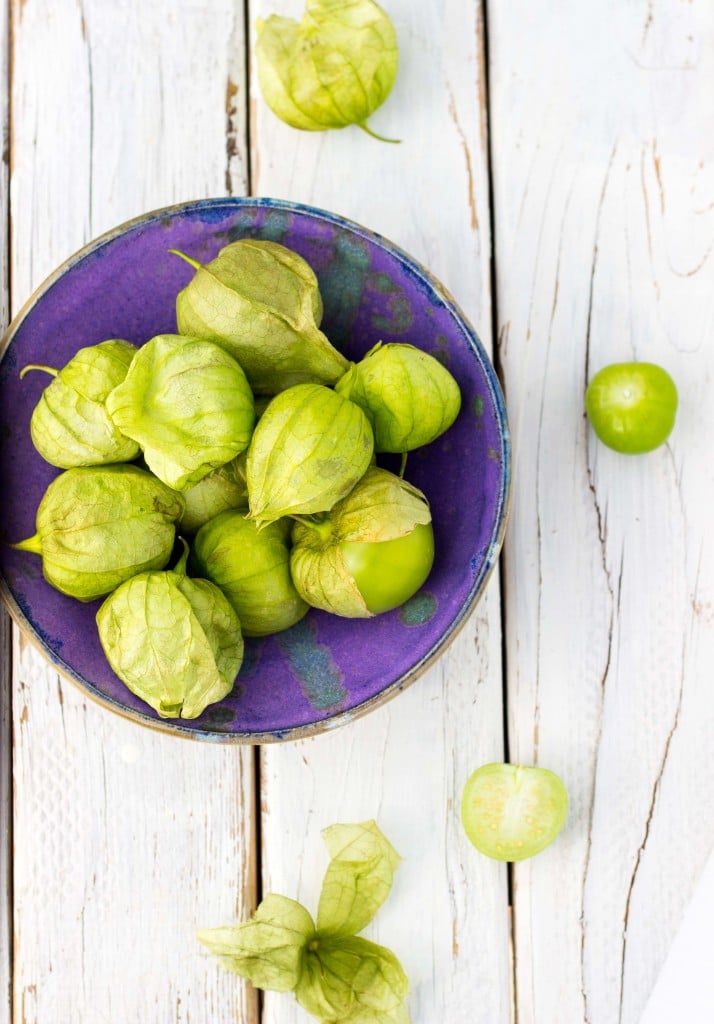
(511, 812)
(632, 406)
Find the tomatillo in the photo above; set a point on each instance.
(370, 553)
(513, 811)
(632, 406)
(388, 572)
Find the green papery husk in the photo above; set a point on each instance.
(260, 301)
(321, 577)
(225, 488)
(252, 568)
(335, 975)
(332, 69)
(70, 425)
(188, 404)
(408, 395)
(175, 642)
(358, 878)
(381, 507)
(98, 526)
(268, 949)
(309, 449)
(350, 980)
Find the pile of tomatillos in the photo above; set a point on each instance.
(252, 440)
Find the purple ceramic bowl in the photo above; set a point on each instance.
(326, 670)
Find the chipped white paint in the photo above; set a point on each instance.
(603, 186)
(5, 628)
(604, 225)
(125, 841)
(406, 763)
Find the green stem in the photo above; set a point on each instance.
(381, 138)
(36, 366)
(33, 544)
(403, 465)
(181, 567)
(188, 259)
(321, 526)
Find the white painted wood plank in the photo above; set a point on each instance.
(125, 841)
(5, 819)
(406, 763)
(5, 628)
(604, 226)
(685, 985)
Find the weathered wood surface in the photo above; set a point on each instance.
(405, 764)
(603, 177)
(598, 118)
(5, 627)
(125, 841)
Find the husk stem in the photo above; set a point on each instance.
(37, 366)
(33, 544)
(381, 138)
(321, 526)
(187, 259)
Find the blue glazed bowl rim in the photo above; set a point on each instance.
(174, 727)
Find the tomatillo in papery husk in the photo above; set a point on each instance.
(371, 553)
(188, 404)
(408, 395)
(99, 525)
(309, 449)
(175, 642)
(260, 301)
(221, 490)
(251, 565)
(70, 425)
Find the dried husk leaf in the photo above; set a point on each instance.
(350, 980)
(268, 949)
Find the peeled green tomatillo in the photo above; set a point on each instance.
(332, 69)
(175, 642)
(371, 553)
(70, 425)
(99, 525)
(408, 395)
(260, 301)
(188, 404)
(632, 406)
(308, 450)
(252, 568)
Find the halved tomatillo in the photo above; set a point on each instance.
(511, 812)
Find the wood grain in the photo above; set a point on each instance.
(126, 841)
(405, 764)
(5, 629)
(604, 226)
(598, 121)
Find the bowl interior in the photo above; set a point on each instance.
(325, 669)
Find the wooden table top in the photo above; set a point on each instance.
(556, 173)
